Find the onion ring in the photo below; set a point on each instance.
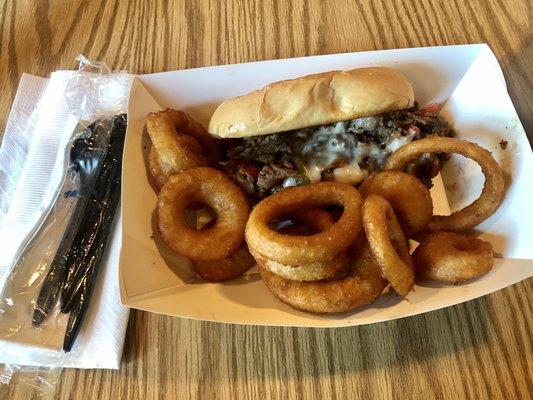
(493, 188)
(158, 175)
(409, 198)
(388, 244)
(312, 220)
(362, 285)
(298, 250)
(308, 221)
(188, 126)
(452, 258)
(210, 187)
(156, 171)
(317, 271)
(226, 268)
(179, 142)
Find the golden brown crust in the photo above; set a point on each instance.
(225, 268)
(158, 175)
(362, 285)
(409, 198)
(452, 258)
(316, 271)
(209, 187)
(298, 250)
(312, 100)
(388, 244)
(174, 150)
(493, 189)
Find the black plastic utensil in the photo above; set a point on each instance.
(103, 204)
(79, 298)
(86, 154)
(90, 232)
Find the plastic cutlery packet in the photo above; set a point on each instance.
(60, 179)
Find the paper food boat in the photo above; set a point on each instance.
(470, 81)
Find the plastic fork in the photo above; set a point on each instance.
(86, 154)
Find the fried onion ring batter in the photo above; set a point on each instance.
(493, 189)
(409, 198)
(452, 257)
(215, 189)
(188, 126)
(317, 271)
(226, 268)
(157, 173)
(298, 250)
(362, 285)
(307, 222)
(180, 143)
(388, 244)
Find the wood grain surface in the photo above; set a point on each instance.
(480, 349)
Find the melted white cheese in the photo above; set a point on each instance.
(398, 142)
(290, 181)
(351, 174)
(313, 171)
(332, 145)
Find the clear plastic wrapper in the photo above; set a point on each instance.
(31, 382)
(64, 222)
(95, 92)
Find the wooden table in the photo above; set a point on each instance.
(480, 349)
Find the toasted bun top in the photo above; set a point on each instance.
(312, 100)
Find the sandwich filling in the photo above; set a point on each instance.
(346, 151)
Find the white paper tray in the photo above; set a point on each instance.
(468, 78)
